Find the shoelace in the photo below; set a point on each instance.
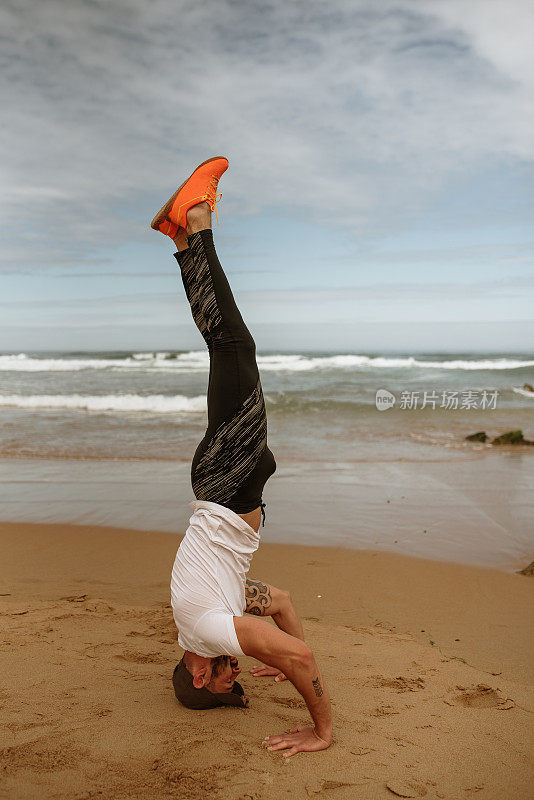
(211, 197)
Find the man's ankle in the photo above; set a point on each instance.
(180, 240)
(198, 218)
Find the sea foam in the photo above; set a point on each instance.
(198, 361)
(156, 403)
(194, 361)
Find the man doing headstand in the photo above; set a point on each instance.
(210, 590)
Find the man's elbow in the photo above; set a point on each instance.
(285, 598)
(281, 601)
(302, 658)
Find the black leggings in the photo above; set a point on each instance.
(232, 462)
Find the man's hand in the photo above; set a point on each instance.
(263, 671)
(301, 739)
(293, 658)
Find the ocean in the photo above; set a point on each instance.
(83, 415)
(320, 406)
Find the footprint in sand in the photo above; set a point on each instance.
(480, 696)
(318, 786)
(402, 788)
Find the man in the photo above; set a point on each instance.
(209, 587)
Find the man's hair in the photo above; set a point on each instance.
(218, 663)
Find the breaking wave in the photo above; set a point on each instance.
(198, 361)
(156, 403)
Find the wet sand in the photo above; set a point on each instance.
(472, 511)
(430, 666)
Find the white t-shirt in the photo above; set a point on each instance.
(208, 579)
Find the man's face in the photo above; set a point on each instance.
(225, 670)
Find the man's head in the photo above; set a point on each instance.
(224, 671)
(208, 682)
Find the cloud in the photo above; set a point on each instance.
(345, 113)
(302, 296)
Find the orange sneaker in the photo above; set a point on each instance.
(167, 227)
(201, 186)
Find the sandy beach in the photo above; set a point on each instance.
(430, 666)
(334, 318)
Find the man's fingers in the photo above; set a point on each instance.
(260, 672)
(279, 746)
(291, 752)
(284, 737)
(280, 742)
(273, 739)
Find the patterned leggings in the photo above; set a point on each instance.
(232, 462)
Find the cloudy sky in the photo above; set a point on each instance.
(380, 193)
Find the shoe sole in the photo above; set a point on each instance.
(164, 210)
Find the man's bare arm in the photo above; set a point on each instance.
(295, 659)
(262, 599)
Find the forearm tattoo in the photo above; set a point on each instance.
(317, 688)
(258, 598)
